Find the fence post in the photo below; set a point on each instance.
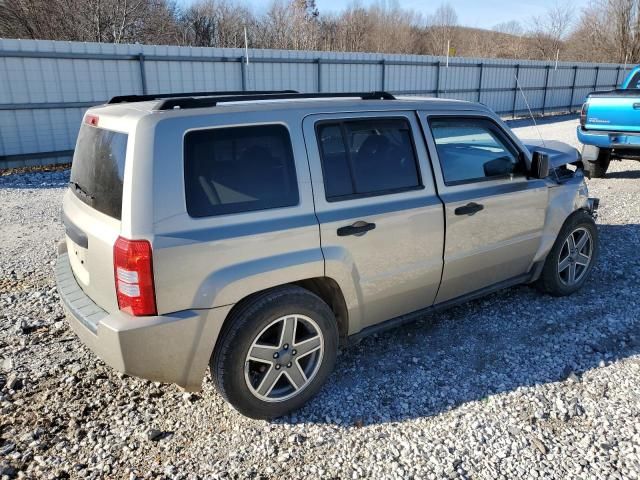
(438, 79)
(515, 91)
(382, 63)
(595, 83)
(618, 76)
(481, 65)
(319, 62)
(143, 74)
(546, 87)
(573, 87)
(243, 73)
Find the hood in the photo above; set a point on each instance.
(559, 153)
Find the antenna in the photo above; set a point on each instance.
(535, 124)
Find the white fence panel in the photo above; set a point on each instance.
(45, 86)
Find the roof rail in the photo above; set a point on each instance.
(212, 101)
(158, 96)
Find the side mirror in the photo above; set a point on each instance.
(539, 165)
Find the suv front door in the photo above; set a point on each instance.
(494, 214)
(381, 222)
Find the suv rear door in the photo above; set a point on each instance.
(92, 207)
(494, 215)
(381, 222)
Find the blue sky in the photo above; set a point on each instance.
(473, 13)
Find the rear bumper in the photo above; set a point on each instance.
(604, 139)
(172, 348)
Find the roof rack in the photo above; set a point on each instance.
(212, 101)
(158, 96)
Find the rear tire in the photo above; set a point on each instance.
(595, 161)
(572, 256)
(275, 352)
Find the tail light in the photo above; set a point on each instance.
(91, 120)
(133, 271)
(583, 114)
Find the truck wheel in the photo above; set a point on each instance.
(595, 161)
(275, 352)
(572, 256)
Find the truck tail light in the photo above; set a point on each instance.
(133, 272)
(583, 114)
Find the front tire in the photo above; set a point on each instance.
(572, 256)
(275, 352)
(595, 161)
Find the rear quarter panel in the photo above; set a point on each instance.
(215, 261)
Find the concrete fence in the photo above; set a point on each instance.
(45, 86)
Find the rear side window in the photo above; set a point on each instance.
(473, 149)
(97, 170)
(367, 157)
(240, 169)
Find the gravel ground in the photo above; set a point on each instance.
(517, 384)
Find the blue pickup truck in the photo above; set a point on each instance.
(610, 126)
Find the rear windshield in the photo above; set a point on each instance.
(98, 169)
(239, 169)
(634, 83)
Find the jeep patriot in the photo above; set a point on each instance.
(255, 233)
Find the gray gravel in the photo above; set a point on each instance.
(517, 384)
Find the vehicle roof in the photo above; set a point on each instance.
(133, 110)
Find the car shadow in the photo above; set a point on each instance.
(513, 339)
(625, 174)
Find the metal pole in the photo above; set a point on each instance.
(546, 87)
(573, 87)
(480, 81)
(143, 74)
(243, 73)
(515, 92)
(438, 79)
(383, 75)
(618, 76)
(319, 61)
(595, 83)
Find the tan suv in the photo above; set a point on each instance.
(256, 233)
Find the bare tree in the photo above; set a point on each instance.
(214, 23)
(111, 21)
(549, 30)
(441, 28)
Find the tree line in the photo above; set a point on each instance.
(605, 31)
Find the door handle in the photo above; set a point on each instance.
(469, 209)
(636, 106)
(358, 229)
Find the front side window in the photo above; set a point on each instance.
(367, 157)
(240, 169)
(473, 149)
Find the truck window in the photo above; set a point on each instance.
(635, 81)
(367, 157)
(239, 169)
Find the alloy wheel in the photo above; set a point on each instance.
(284, 358)
(575, 256)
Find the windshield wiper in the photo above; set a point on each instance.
(79, 188)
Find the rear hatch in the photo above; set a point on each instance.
(92, 209)
(614, 111)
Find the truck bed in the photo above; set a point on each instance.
(614, 111)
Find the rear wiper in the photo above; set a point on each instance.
(79, 188)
